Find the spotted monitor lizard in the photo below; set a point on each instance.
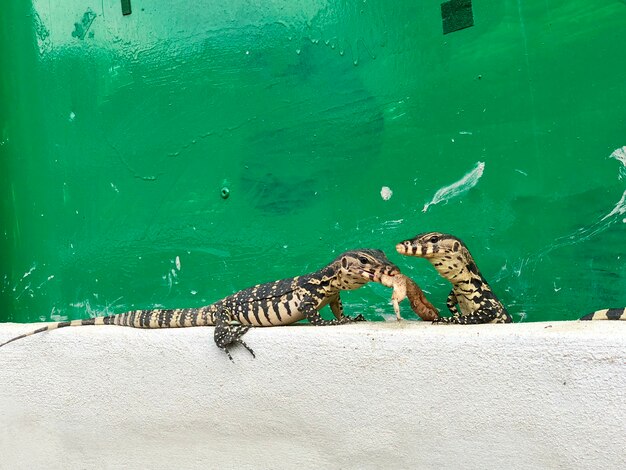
(272, 304)
(470, 291)
(475, 299)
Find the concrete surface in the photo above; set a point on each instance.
(376, 395)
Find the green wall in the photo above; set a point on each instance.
(118, 133)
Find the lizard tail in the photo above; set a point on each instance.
(607, 314)
(63, 324)
(164, 318)
(178, 318)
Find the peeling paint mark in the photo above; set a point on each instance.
(44, 282)
(392, 223)
(521, 172)
(56, 315)
(29, 272)
(522, 264)
(81, 28)
(26, 289)
(386, 193)
(108, 305)
(455, 189)
(620, 207)
(620, 155)
(177, 262)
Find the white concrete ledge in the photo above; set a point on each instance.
(375, 395)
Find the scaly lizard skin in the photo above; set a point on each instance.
(607, 314)
(470, 291)
(404, 287)
(272, 304)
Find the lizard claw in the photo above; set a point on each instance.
(247, 347)
(347, 319)
(225, 349)
(227, 331)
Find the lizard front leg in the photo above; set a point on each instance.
(229, 331)
(307, 307)
(336, 306)
(451, 302)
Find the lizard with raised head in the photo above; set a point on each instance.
(272, 304)
(470, 291)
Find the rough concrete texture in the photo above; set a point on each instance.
(375, 395)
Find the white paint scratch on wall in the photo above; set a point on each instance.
(459, 187)
(620, 207)
(586, 232)
(392, 223)
(620, 155)
(47, 280)
(29, 272)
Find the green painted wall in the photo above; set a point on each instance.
(117, 134)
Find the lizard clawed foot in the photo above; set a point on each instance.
(225, 349)
(228, 331)
(347, 319)
(240, 341)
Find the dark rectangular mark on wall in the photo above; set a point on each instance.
(456, 15)
(126, 9)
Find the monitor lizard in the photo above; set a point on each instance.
(477, 302)
(271, 304)
(470, 291)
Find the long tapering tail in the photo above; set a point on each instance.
(54, 326)
(177, 318)
(607, 314)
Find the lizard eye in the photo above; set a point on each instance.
(434, 239)
(363, 260)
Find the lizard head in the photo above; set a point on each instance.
(358, 267)
(446, 252)
(430, 245)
